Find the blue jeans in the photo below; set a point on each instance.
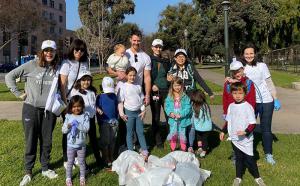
(135, 120)
(265, 112)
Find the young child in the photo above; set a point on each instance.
(85, 89)
(178, 108)
(107, 117)
(76, 125)
(118, 61)
(240, 125)
(131, 100)
(201, 120)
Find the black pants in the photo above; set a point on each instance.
(37, 125)
(244, 161)
(93, 142)
(156, 110)
(203, 137)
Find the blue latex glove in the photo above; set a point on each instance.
(74, 127)
(277, 104)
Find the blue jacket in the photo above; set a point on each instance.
(185, 110)
(201, 123)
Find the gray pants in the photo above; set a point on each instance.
(37, 125)
(80, 152)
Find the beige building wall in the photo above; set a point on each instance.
(54, 14)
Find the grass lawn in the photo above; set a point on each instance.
(285, 172)
(280, 78)
(6, 95)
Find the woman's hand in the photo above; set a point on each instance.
(100, 112)
(170, 77)
(142, 114)
(212, 98)
(23, 96)
(124, 117)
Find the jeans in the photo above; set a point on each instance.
(135, 120)
(265, 112)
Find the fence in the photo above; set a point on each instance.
(286, 59)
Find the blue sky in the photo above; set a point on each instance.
(146, 13)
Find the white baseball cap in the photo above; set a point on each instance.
(84, 73)
(235, 65)
(157, 42)
(108, 85)
(181, 50)
(48, 44)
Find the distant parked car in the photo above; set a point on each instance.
(6, 67)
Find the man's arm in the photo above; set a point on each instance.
(147, 81)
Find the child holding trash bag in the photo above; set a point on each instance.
(201, 120)
(240, 125)
(76, 126)
(178, 108)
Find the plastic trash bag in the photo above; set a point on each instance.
(165, 162)
(189, 173)
(181, 156)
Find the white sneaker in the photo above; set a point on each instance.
(26, 179)
(50, 174)
(260, 182)
(237, 182)
(66, 165)
(202, 154)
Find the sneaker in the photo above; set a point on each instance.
(269, 159)
(237, 182)
(199, 151)
(190, 149)
(50, 174)
(82, 181)
(145, 154)
(69, 182)
(202, 154)
(260, 182)
(66, 165)
(26, 179)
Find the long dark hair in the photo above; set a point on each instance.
(78, 43)
(250, 45)
(77, 85)
(198, 100)
(73, 100)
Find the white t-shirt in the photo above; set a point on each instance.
(143, 63)
(132, 96)
(70, 68)
(239, 116)
(89, 101)
(258, 74)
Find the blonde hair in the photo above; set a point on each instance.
(118, 46)
(176, 80)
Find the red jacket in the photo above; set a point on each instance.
(227, 97)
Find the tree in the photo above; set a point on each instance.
(18, 18)
(100, 19)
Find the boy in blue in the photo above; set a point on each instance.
(107, 117)
(76, 126)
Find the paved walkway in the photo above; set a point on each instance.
(284, 121)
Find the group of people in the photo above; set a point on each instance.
(135, 81)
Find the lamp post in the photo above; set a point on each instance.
(226, 8)
(185, 33)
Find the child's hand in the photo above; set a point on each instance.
(99, 111)
(177, 116)
(241, 133)
(172, 115)
(69, 125)
(142, 114)
(221, 136)
(124, 117)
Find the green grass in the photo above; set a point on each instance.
(280, 78)
(285, 172)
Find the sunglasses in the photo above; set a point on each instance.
(49, 50)
(79, 49)
(157, 46)
(135, 58)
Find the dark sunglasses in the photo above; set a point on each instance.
(135, 58)
(157, 46)
(81, 49)
(49, 50)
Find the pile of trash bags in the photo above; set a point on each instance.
(177, 168)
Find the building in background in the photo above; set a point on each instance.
(54, 14)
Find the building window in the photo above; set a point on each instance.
(60, 19)
(51, 16)
(60, 30)
(45, 2)
(45, 14)
(52, 3)
(52, 29)
(60, 7)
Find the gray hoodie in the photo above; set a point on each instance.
(38, 82)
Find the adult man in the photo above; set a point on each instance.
(159, 89)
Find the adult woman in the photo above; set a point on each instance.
(266, 96)
(187, 72)
(38, 124)
(75, 64)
